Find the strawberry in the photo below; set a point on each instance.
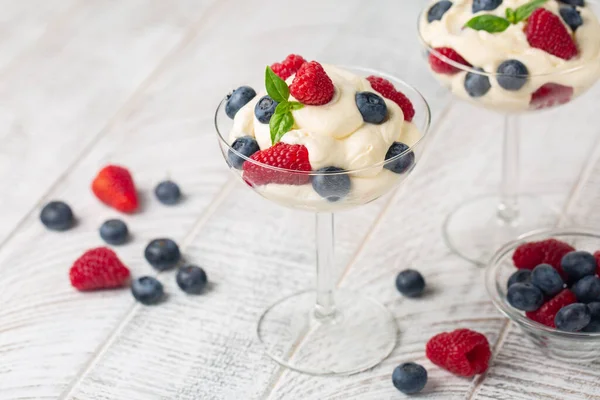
(98, 268)
(387, 90)
(545, 31)
(311, 85)
(289, 66)
(114, 186)
(550, 95)
(442, 67)
(287, 156)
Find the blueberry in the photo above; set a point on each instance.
(578, 264)
(547, 279)
(244, 145)
(114, 231)
(477, 85)
(520, 276)
(409, 378)
(437, 11)
(401, 164)
(162, 254)
(485, 5)
(587, 289)
(147, 290)
(371, 106)
(525, 297)
(572, 318)
(580, 3)
(512, 75)
(594, 325)
(594, 308)
(331, 183)
(57, 216)
(167, 192)
(238, 99)
(572, 17)
(264, 109)
(191, 279)
(410, 283)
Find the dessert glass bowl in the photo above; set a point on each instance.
(477, 227)
(565, 346)
(327, 331)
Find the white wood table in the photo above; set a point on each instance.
(135, 82)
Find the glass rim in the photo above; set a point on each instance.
(492, 285)
(424, 132)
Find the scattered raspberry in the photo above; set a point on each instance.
(546, 31)
(597, 257)
(289, 66)
(98, 268)
(442, 67)
(550, 95)
(311, 85)
(114, 186)
(282, 155)
(462, 352)
(550, 251)
(546, 313)
(387, 90)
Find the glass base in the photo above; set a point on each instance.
(474, 232)
(358, 336)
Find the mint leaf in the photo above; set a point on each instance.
(525, 10)
(276, 87)
(294, 105)
(511, 16)
(488, 23)
(280, 124)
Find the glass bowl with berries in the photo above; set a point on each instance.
(512, 57)
(547, 283)
(324, 138)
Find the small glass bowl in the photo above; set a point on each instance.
(577, 347)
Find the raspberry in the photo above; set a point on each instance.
(311, 85)
(289, 66)
(550, 95)
(387, 90)
(282, 155)
(440, 66)
(98, 268)
(545, 31)
(462, 352)
(550, 251)
(546, 313)
(597, 257)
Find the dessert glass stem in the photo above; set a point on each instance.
(325, 307)
(508, 209)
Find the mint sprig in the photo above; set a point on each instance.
(282, 120)
(495, 24)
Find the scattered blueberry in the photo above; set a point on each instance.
(572, 17)
(162, 254)
(331, 183)
(572, 318)
(410, 283)
(167, 192)
(401, 164)
(264, 109)
(547, 279)
(485, 5)
(244, 145)
(371, 106)
(238, 99)
(191, 279)
(520, 276)
(147, 290)
(578, 264)
(587, 289)
(409, 378)
(580, 3)
(525, 297)
(114, 231)
(437, 11)
(512, 75)
(57, 216)
(477, 85)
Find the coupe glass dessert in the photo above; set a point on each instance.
(324, 138)
(510, 56)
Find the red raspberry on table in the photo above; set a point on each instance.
(545, 31)
(547, 312)
(98, 268)
(462, 352)
(282, 155)
(549, 251)
(311, 85)
(550, 95)
(289, 66)
(114, 186)
(442, 67)
(387, 90)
